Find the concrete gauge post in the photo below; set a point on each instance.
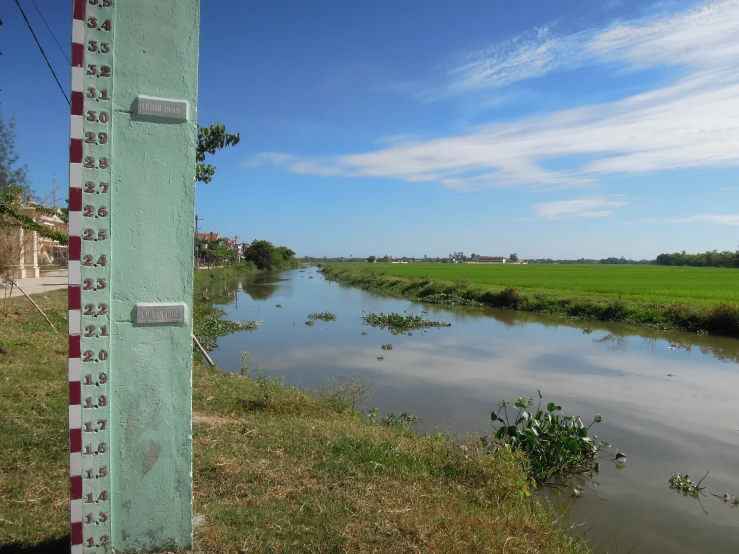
(131, 200)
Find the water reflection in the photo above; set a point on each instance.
(261, 287)
(668, 399)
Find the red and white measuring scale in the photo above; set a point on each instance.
(90, 210)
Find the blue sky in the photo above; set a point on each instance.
(580, 128)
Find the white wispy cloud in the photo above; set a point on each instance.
(578, 207)
(692, 122)
(717, 219)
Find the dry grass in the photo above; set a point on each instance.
(274, 472)
(33, 421)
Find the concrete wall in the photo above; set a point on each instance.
(152, 225)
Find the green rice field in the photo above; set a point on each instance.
(696, 286)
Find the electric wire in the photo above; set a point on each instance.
(51, 32)
(42, 51)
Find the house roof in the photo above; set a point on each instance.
(208, 236)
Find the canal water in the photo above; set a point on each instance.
(669, 401)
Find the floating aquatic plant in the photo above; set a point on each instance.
(323, 316)
(556, 444)
(400, 323)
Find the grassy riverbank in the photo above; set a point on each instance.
(276, 470)
(703, 299)
(205, 275)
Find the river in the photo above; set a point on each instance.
(668, 400)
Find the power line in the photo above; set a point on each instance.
(42, 51)
(51, 32)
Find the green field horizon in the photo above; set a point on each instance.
(696, 286)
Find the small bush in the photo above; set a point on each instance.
(345, 393)
(509, 297)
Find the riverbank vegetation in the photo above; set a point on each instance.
(292, 473)
(702, 300)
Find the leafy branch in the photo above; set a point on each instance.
(211, 139)
(10, 207)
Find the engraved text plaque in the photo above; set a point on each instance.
(173, 109)
(148, 314)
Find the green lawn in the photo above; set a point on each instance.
(654, 284)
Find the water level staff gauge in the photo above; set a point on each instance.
(90, 260)
(131, 208)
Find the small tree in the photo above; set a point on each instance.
(371, 259)
(261, 253)
(12, 175)
(513, 257)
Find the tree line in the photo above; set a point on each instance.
(261, 253)
(714, 258)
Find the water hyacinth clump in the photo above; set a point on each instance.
(556, 444)
(685, 485)
(387, 346)
(447, 299)
(323, 316)
(208, 328)
(401, 322)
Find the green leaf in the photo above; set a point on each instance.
(551, 406)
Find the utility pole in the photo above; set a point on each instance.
(53, 191)
(196, 262)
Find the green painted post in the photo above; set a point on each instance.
(142, 499)
(154, 208)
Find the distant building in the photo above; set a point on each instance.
(491, 259)
(28, 249)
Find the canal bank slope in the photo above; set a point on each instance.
(721, 319)
(275, 469)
